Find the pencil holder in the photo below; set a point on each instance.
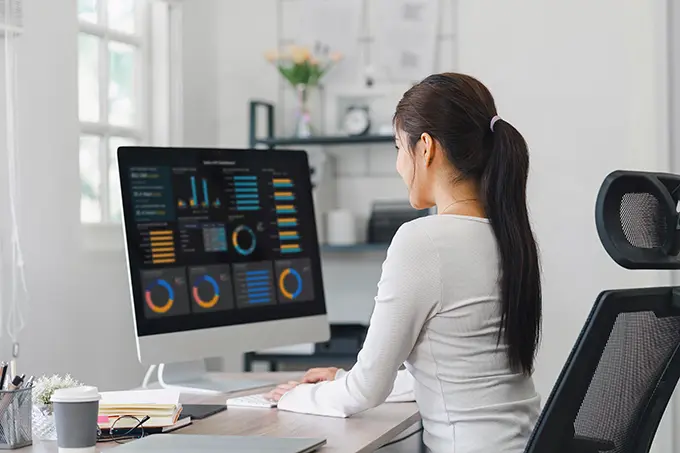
(15, 419)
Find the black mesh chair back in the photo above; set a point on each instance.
(637, 219)
(620, 375)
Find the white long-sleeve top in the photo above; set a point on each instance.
(438, 312)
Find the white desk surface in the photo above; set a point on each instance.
(363, 432)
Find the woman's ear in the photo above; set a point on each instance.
(428, 150)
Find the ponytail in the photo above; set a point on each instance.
(503, 188)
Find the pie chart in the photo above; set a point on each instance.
(156, 290)
(203, 281)
(290, 283)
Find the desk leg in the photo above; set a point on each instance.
(247, 362)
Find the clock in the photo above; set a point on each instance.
(356, 121)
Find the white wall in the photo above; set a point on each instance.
(79, 320)
(200, 82)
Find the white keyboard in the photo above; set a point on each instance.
(258, 400)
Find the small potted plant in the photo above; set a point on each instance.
(43, 417)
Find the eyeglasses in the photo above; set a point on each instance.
(124, 429)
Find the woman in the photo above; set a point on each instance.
(459, 299)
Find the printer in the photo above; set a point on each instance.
(386, 218)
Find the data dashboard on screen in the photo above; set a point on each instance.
(219, 237)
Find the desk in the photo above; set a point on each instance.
(363, 432)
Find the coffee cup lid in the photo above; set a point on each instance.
(82, 394)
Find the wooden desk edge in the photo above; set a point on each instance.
(391, 434)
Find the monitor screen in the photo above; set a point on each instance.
(219, 237)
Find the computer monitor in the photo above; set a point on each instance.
(222, 254)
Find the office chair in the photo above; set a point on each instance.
(621, 373)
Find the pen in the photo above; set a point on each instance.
(7, 398)
(3, 374)
(13, 367)
(16, 382)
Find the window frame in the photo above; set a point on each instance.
(140, 41)
(159, 60)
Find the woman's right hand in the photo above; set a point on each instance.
(315, 375)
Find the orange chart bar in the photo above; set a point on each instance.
(163, 244)
(161, 233)
(164, 261)
(155, 249)
(288, 233)
(281, 181)
(290, 246)
(162, 255)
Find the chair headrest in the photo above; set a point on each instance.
(637, 219)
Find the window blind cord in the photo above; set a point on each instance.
(15, 322)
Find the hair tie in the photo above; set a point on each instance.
(493, 121)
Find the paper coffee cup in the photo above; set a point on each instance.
(75, 416)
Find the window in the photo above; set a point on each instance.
(114, 100)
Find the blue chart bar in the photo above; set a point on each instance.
(194, 195)
(258, 283)
(284, 197)
(247, 208)
(245, 183)
(246, 189)
(206, 200)
(259, 301)
(247, 201)
(290, 238)
(246, 195)
(287, 223)
(292, 250)
(245, 178)
(286, 210)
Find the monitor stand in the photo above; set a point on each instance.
(192, 377)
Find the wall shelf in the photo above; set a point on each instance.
(325, 140)
(271, 141)
(355, 248)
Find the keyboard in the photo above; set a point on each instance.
(257, 400)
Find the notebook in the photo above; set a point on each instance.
(162, 406)
(192, 443)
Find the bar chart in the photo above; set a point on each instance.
(286, 215)
(158, 246)
(254, 284)
(246, 193)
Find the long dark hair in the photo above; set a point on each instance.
(456, 110)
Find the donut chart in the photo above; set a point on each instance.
(282, 283)
(167, 305)
(237, 241)
(216, 292)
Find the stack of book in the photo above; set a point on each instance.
(117, 409)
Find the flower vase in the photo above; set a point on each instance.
(303, 117)
(43, 423)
